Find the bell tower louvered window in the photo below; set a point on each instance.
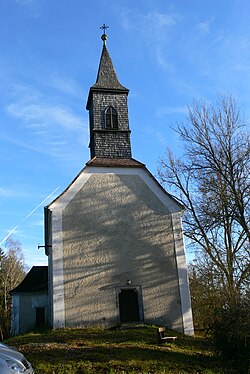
(111, 118)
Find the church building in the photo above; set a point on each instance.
(114, 237)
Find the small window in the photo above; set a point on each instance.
(111, 118)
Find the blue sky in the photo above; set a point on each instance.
(167, 52)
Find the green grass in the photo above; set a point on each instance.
(127, 351)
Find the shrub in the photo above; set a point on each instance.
(230, 333)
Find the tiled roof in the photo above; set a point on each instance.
(114, 162)
(35, 281)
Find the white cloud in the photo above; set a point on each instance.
(152, 25)
(65, 85)
(162, 59)
(6, 192)
(205, 26)
(50, 128)
(25, 2)
(39, 223)
(158, 20)
(40, 115)
(171, 110)
(33, 6)
(161, 138)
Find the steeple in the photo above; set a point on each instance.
(108, 111)
(106, 77)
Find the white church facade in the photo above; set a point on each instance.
(114, 237)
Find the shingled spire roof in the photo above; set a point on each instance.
(106, 77)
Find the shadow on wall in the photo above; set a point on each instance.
(114, 230)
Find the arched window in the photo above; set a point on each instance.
(111, 118)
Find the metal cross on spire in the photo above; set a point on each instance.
(104, 27)
(104, 36)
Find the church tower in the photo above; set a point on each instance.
(108, 112)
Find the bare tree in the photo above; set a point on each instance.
(212, 181)
(12, 272)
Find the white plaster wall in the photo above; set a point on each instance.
(186, 308)
(24, 313)
(56, 268)
(111, 225)
(15, 328)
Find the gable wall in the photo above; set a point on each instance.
(116, 229)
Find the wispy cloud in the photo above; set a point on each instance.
(25, 2)
(33, 6)
(161, 138)
(205, 26)
(157, 21)
(158, 136)
(152, 25)
(157, 29)
(41, 115)
(39, 223)
(6, 192)
(163, 60)
(235, 50)
(51, 128)
(171, 110)
(65, 85)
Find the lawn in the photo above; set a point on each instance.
(130, 350)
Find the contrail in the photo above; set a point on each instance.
(28, 215)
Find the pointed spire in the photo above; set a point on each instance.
(106, 77)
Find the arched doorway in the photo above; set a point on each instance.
(129, 305)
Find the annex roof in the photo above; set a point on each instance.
(35, 281)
